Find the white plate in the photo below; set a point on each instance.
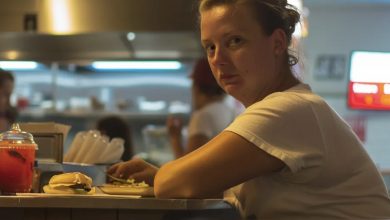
(50, 190)
(126, 190)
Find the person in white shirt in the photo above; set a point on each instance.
(211, 113)
(288, 155)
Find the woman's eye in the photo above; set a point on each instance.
(235, 42)
(209, 48)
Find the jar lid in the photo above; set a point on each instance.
(15, 134)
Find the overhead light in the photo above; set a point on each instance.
(130, 36)
(296, 3)
(12, 54)
(136, 65)
(60, 16)
(301, 28)
(18, 65)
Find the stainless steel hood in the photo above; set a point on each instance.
(79, 31)
(98, 46)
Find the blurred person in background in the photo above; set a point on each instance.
(116, 127)
(211, 114)
(8, 113)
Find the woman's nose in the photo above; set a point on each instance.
(219, 57)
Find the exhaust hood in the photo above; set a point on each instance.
(87, 30)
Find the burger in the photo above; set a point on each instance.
(70, 183)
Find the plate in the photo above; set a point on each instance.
(65, 190)
(127, 190)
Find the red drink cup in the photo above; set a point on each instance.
(17, 156)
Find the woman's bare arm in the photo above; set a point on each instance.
(225, 161)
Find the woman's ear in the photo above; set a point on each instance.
(279, 39)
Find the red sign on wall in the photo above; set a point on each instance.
(369, 80)
(371, 96)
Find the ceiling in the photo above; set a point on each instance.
(97, 29)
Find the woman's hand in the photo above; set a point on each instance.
(175, 126)
(136, 169)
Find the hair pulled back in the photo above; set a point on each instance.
(271, 15)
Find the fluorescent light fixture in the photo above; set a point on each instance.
(136, 65)
(18, 65)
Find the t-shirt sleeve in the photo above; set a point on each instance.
(285, 127)
(200, 124)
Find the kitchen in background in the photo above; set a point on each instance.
(65, 38)
(66, 87)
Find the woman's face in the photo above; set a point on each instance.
(242, 58)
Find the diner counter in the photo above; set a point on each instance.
(36, 206)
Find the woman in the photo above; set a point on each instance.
(288, 155)
(210, 116)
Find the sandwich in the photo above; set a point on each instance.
(70, 183)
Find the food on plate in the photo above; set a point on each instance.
(129, 187)
(130, 182)
(70, 183)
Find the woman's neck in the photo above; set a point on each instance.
(290, 81)
(287, 81)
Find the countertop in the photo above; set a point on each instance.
(41, 206)
(100, 200)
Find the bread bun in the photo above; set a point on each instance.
(70, 183)
(70, 178)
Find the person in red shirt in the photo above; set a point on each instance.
(210, 115)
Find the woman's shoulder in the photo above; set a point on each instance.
(290, 105)
(297, 97)
(298, 91)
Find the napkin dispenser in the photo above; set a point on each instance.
(51, 146)
(50, 138)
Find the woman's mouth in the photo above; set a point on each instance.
(229, 78)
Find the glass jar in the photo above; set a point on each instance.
(17, 156)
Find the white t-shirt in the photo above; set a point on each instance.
(328, 174)
(211, 119)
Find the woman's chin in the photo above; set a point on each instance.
(234, 92)
(231, 89)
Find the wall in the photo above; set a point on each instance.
(337, 30)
